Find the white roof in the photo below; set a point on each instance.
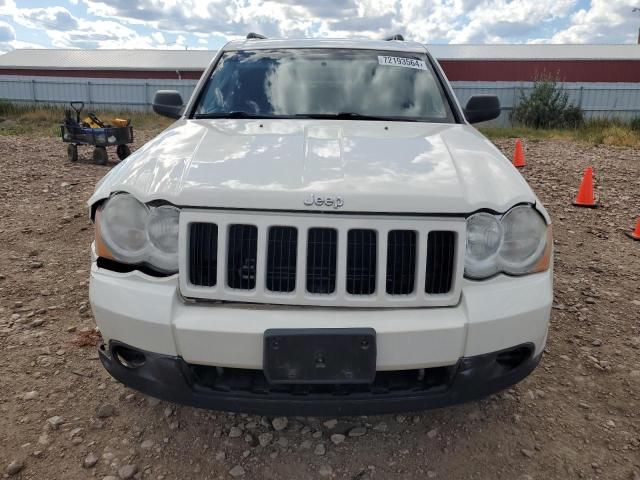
(197, 60)
(63, 59)
(538, 51)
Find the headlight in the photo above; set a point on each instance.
(517, 243)
(525, 236)
(123, 224)
(131, 232)
(484, 236)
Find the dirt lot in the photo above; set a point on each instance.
(62, 417)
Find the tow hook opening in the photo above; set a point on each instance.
(514, 357)
(128, 357)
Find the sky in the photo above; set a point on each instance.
(208, 24)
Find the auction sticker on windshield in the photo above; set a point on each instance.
(402, 62)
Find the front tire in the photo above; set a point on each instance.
(72, 152)
(100, 156)
(123, 151)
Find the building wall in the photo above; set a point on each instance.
(591, 71)
(598, 99)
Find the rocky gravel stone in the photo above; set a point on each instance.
(237, 471)
(279, 423)
(330, 424)
(337, 438)
(380, 427)
(147, 444)
(265, 439)
(15, 467)
(90, 461)
(32, 395)
(127, 471)
(55, 422)
(320, 449)
(357, 432)
(105, 410)
(325, 470)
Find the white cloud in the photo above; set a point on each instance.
(100, 34)
(50, 18)
(610, 21)
(184, 23)
(158, 37)
(7, 37)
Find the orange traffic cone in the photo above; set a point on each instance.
(518, 156)
(585, 196)
(636, 233)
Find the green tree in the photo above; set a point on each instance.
(547, 106)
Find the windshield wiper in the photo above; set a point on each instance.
(232, 114)
(348, 116)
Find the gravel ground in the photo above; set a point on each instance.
(63, 417)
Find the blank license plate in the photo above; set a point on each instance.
(320, 355)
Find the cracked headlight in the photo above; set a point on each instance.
(131, 232)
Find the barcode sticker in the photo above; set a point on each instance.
(402, 62)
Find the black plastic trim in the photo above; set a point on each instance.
(119, 267)
(170, 378)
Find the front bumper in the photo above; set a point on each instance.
(177, 336)
(149, 313)
(173, 379)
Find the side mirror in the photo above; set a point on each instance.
(168, 103)
(481, 108)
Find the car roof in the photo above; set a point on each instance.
(348, 43)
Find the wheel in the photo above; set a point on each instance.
(123, 151)
(72, 152)
(100, 156)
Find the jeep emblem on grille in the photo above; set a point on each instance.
(328, 201)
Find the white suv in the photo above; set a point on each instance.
(321, 232)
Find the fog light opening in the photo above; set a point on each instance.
(128, 357)
(513, 358)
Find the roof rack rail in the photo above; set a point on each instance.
(256, 36)
(397, 36)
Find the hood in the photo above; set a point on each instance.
(372, 166)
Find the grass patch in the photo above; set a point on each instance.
(595, 132)
(45, 120)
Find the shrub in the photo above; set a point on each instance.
(635, 124)
(547, 106)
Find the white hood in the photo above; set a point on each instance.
(394, 167)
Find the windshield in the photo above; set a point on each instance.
(324, 83)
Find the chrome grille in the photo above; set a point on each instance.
(321, 259)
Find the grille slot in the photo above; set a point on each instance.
(242, 251)
(322, 246)
(281, 259)
(401, 262)
(440, 257)
(203, 258)
(361, 262)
